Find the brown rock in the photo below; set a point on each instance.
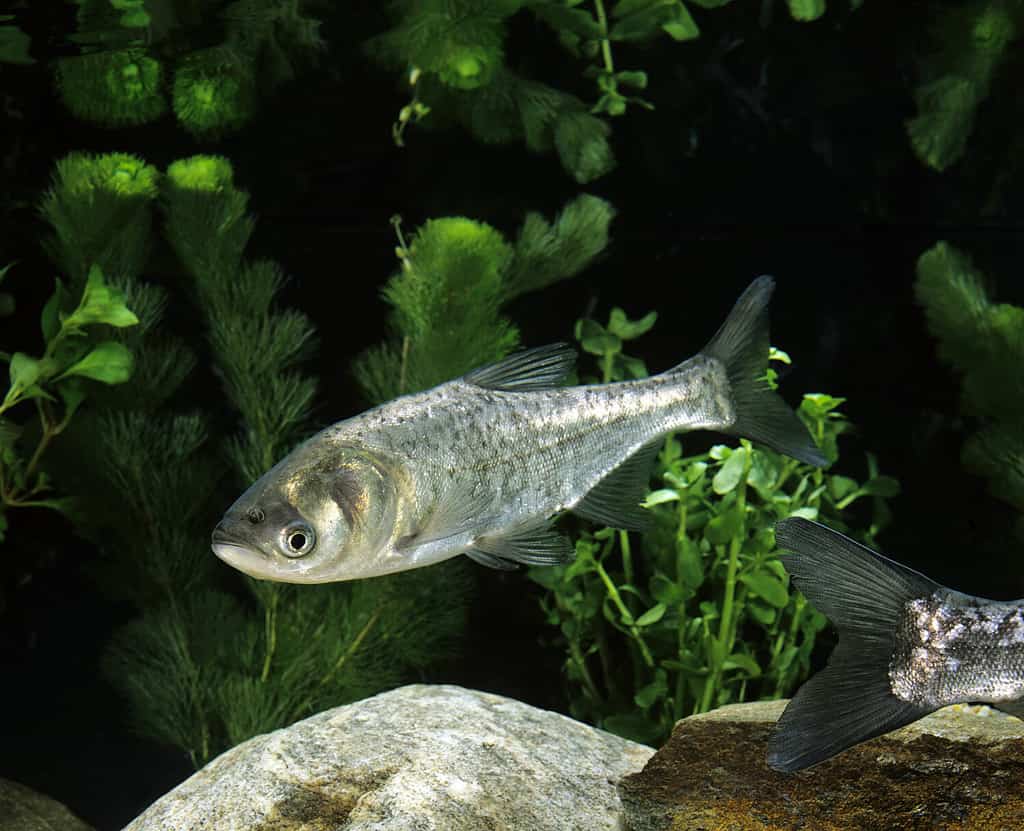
(959, 769)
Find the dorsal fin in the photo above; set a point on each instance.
(540, 368)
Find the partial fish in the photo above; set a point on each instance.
(907, 646)
(481, 465)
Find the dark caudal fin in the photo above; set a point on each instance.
(741, 344)
(864, 595)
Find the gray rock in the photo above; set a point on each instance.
(961, 769)
(419, 758)
(23, 809)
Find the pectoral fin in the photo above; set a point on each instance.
(538, 545)
(615, 501)
(457, 510)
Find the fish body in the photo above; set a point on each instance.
(481, 464)
(907, 646)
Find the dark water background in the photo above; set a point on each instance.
(815, 184)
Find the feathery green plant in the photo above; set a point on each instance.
(455, 56)
(215, 657)
(984, 342)
(137, 55)
(972, 41)
(698, 614)
(456, 275)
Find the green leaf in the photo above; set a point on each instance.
(710, 4)
(744, 662)
(666, 591)
(632, 78)
(840, 486)
(766, 586)
(884, 486)
(765, 615)
(652, 615)
(690, 564)
(683, 27)
(109, 362)
(660, 497)
(626, 329)
(101, 304)
(807, 512)
(806, 10)
(49, 320)
(722, 528)
(72, 392)
(595, 339)
(654, 691)
(25, 372)
(729, 476)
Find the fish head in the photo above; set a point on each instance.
(320, 515)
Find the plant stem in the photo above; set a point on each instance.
(270, 632)
(727, 625)
(606, 46)
(613, 593)
(627, 558)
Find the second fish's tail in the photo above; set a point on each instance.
(864, 595)
(741, 345)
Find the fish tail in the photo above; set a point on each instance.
(864, 595)
(741, 345)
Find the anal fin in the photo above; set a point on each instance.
(615, 500)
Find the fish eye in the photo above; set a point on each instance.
(299, 540)
(255, 516)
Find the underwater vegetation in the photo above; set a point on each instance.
(983, 342)
(208, 664)
(157, 359)
(697, 612)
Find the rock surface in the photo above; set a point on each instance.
(22, 809)
(959, 769)
(419, 758)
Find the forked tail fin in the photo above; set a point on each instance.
(741, 344)
(864, 595)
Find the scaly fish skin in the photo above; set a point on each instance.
(907, 646)
(479, 465)
(953, 648)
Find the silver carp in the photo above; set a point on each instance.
(907, 646)
(482, 464)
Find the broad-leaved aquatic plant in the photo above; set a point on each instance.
(697, 612)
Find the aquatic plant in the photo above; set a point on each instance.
(971, 42)
(983, 341)
(136, 55)
(456, 275)
(455, 55)
(697, 612)
(77, 349)
(215, 657)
